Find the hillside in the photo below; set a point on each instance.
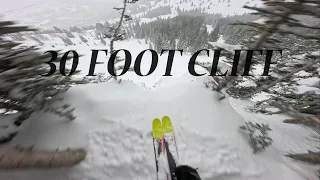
(110, 116)
(114, 122)
(262, 125)
(170, 8)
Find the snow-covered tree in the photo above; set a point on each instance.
(83, 39)
(25, 89)
(214, 34)
(276, 19)
(292, 26)
(58, 30)
(103, 41)
(69, 34)
(66, 40)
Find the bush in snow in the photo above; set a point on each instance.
(23, 88)
(258, 135)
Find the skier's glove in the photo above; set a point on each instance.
(184, 172)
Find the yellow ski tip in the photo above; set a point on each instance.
(166, 124)
(157, 131)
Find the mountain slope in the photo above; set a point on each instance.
(224, 7)
(114, 124)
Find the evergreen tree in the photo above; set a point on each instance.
(100, 27)
(283, 24)
(83, 39)
(103, 41)
(58, 30)
(158, 44)
(173, 43)
(214, 34)
(69, 34)
(24, 90)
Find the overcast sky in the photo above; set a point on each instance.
(47, 13)
(15, 5)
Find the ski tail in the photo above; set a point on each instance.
(155, 158)
(171, 146)
(157, 135)
(168, 129)
(159, 146)
(171, 162)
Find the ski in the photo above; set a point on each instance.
(170, 146)
(159, 148)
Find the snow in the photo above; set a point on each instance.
(258, 69)
(303, 74)
(261, 97)
(221, 40)
(247, 83)
(315, 53)
(223, 7)
(303, 89)
(209, 28)
(114, 122)
(312, 81)
(228, 47)
(147, 20)
(261, 21)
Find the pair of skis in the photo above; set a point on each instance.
(165, 148)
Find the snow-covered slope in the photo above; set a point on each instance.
(114, 121)
(45, 14)
(224, 7)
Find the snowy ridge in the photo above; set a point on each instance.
(223, 7)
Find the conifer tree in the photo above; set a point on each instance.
(276, 14)
(214, 34)
(158, 44)
(281, 26)
(117, 33)
(25, 90)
